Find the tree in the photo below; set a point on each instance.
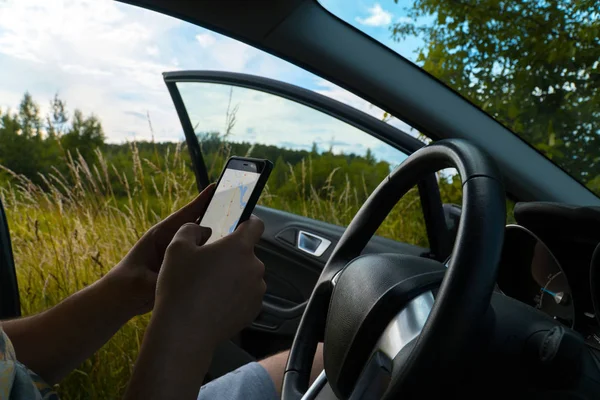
(279, 175)
(84, 135)
(533, 65)
(57, 121)
(21, 138)
(9, 131)
(370, 157)
(58, 118)
(29, 117)
(314, 148)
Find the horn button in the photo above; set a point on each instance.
(380, 304)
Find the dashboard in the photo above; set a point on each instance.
(551, 261)
(530, 273)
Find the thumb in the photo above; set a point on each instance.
(251, 230)
(206, 234)
(192, 233)
(188, 213)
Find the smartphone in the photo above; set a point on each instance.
(235, 196)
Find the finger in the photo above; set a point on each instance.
(260, 293)
(188, 213)
(263, 289)
(191, 233)
(206, 234)
(260, 268)
(251, 230)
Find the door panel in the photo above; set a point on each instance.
(291, 274)
(277, 221)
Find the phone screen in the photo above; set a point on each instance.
(228, 201)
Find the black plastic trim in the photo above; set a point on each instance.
(191, 140)
(282, 312)
(595, 281)
(438, 233)
(10, 305)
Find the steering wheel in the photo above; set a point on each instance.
(384, 334)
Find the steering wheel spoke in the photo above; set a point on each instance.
(399, 333)
(406, 326)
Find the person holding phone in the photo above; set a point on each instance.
(200, 293)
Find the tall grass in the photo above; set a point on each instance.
(338, 206)
(69, 231)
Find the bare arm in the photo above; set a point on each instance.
(198, 305)
(171, 364)
(56, 341)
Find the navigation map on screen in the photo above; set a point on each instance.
(228, 202)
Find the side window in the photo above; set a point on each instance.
(324, 168)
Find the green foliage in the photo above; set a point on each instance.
(69, 231)
(533, 65)
(85, 135)
(33, 148)
(299, 172)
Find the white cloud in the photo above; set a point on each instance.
(273, 120)
(82, 70)
(377, 16)
(106, 58)
(101, 56)
(206, 39)
(269, 119)
(152, 50)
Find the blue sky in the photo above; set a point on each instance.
(374, 18)
(107, 58)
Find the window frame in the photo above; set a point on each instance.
(439, 239)
(10, 302)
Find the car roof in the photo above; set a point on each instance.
(304, 33)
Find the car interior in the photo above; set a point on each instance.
(489, 310)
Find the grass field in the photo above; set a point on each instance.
(73, 230)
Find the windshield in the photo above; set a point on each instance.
(533, 65)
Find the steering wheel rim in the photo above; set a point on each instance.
(468, 282)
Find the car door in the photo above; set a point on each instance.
(224, 114)
(9, 290)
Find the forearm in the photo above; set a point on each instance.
(56, 341)
(172, 362)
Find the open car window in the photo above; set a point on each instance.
(324, 168)
(531, 65)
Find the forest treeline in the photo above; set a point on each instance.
(40, 146)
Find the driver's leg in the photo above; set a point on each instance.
(256, 380)
(275, 366)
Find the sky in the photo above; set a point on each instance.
(106, 58)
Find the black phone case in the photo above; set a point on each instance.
(265, 172)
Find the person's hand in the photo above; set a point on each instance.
(135, 275)
(204, 295)
(213, 290)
